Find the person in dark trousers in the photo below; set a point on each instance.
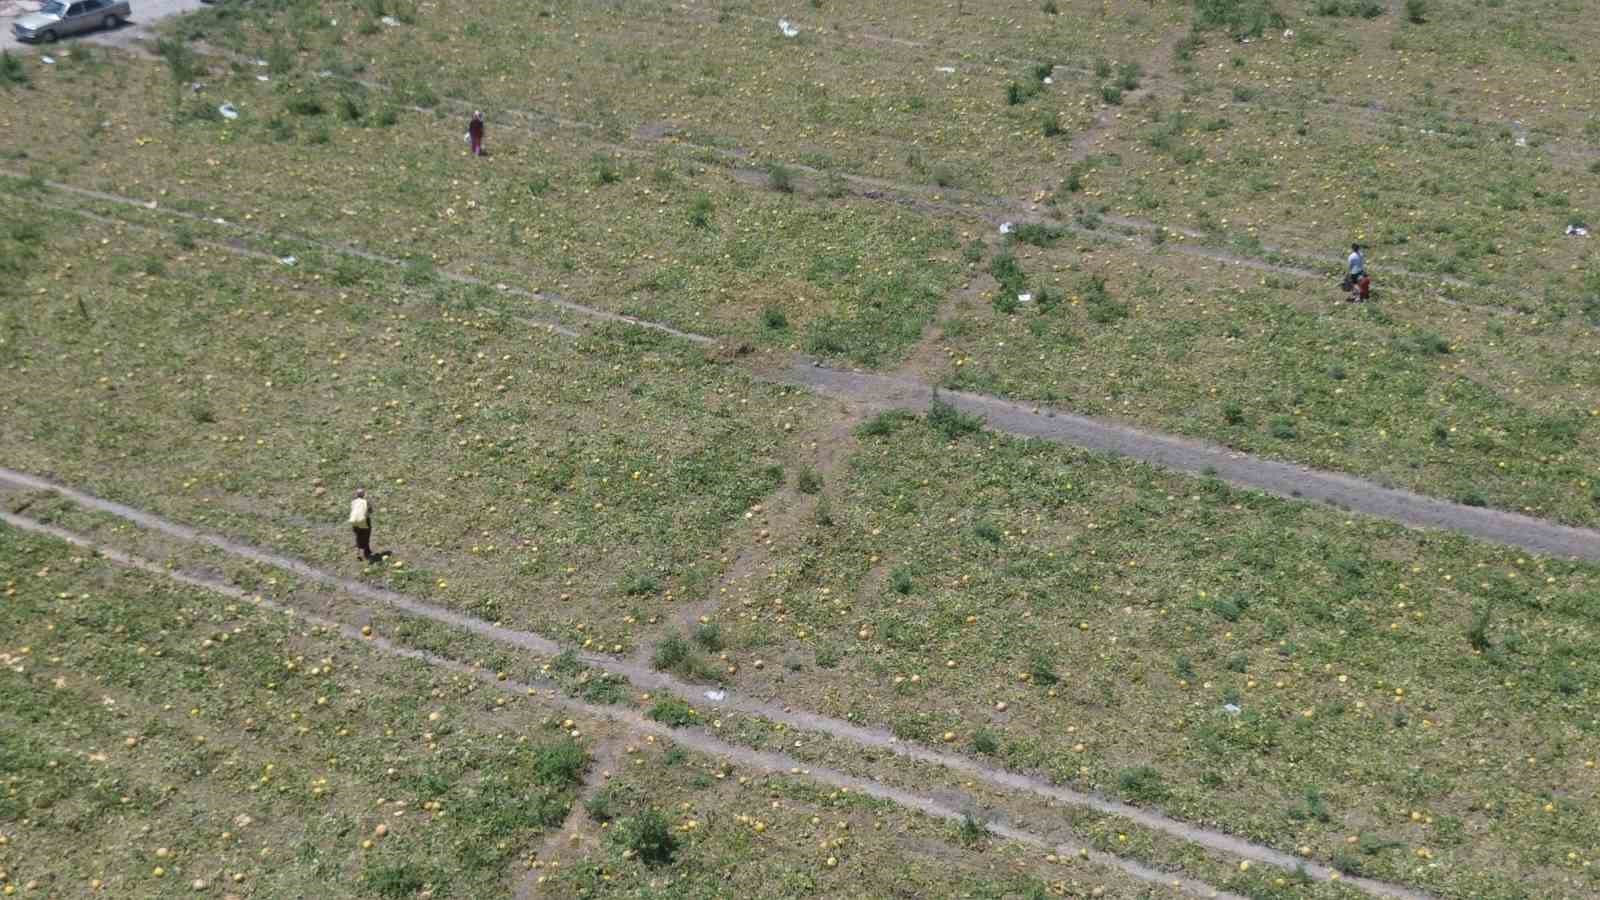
(1356, 267)
(475, 133)
(361, 524)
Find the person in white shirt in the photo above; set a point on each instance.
(361, 524)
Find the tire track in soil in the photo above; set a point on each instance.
(880, 392)
(648, 679)
(1158, 448)
(634, 721)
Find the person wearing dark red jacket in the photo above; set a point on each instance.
(475, 133)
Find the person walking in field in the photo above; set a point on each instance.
(1355, 268)
(361, 524)
(475, 133)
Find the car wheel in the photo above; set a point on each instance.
(111, 23)
(49, 37)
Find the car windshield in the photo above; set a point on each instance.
(53, 7)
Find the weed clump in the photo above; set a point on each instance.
(700, 210)
(12, 73)
(951, 422)
(809, 481)
(885, 423)
(649, 836)
(1004, 268)
(560, 764)
(780, 178)
(180, 60)
(1143, 784)
(673, 713)
(1416, 11)
(1240, 18)
(773, 319)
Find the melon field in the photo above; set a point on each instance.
(842, 450)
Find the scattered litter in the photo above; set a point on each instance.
(1231, 709)
(716, 696)
(261, 63)
(788, 29)
(150, 204)
(229, 111)
(390, 21)
(1288, 34)
(220, 221)
(1578, 230)
(325, 73)
(1244, 40)
(1049, 80)
(262, 78)
(948, 70)
(48, 60)
(1522, 141)
(1007, 227)
(287, 260)
(196, 87)
(1024, 298)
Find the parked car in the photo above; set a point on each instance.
(59, 18)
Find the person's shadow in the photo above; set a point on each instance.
(379, 556)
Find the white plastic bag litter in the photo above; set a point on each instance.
(716, 696)
(1007, 227)
(229, 111)
(1577, 231)
(787, 28)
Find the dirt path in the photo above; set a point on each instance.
(643, 677)
(1243, 470)
(691, 738)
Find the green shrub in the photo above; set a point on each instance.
(1004, 268)
(672, 652)
(809, 481)
(605, 170)
(985, 742)
(307, 106)
(1143, 784)
(987, 531)
(885, 423)
(1037, 234)
(648, 836)
(700, 210)
(708, 636)
(1042, 669)
(773, 319)
(560, 764)
(180, 60)
(1416, 11)
(780, 178)
(1050, 124)
(641, 584)
(12, 72)
(1111, 94)
(1240, 18)
(951, 422)
(672, 712)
